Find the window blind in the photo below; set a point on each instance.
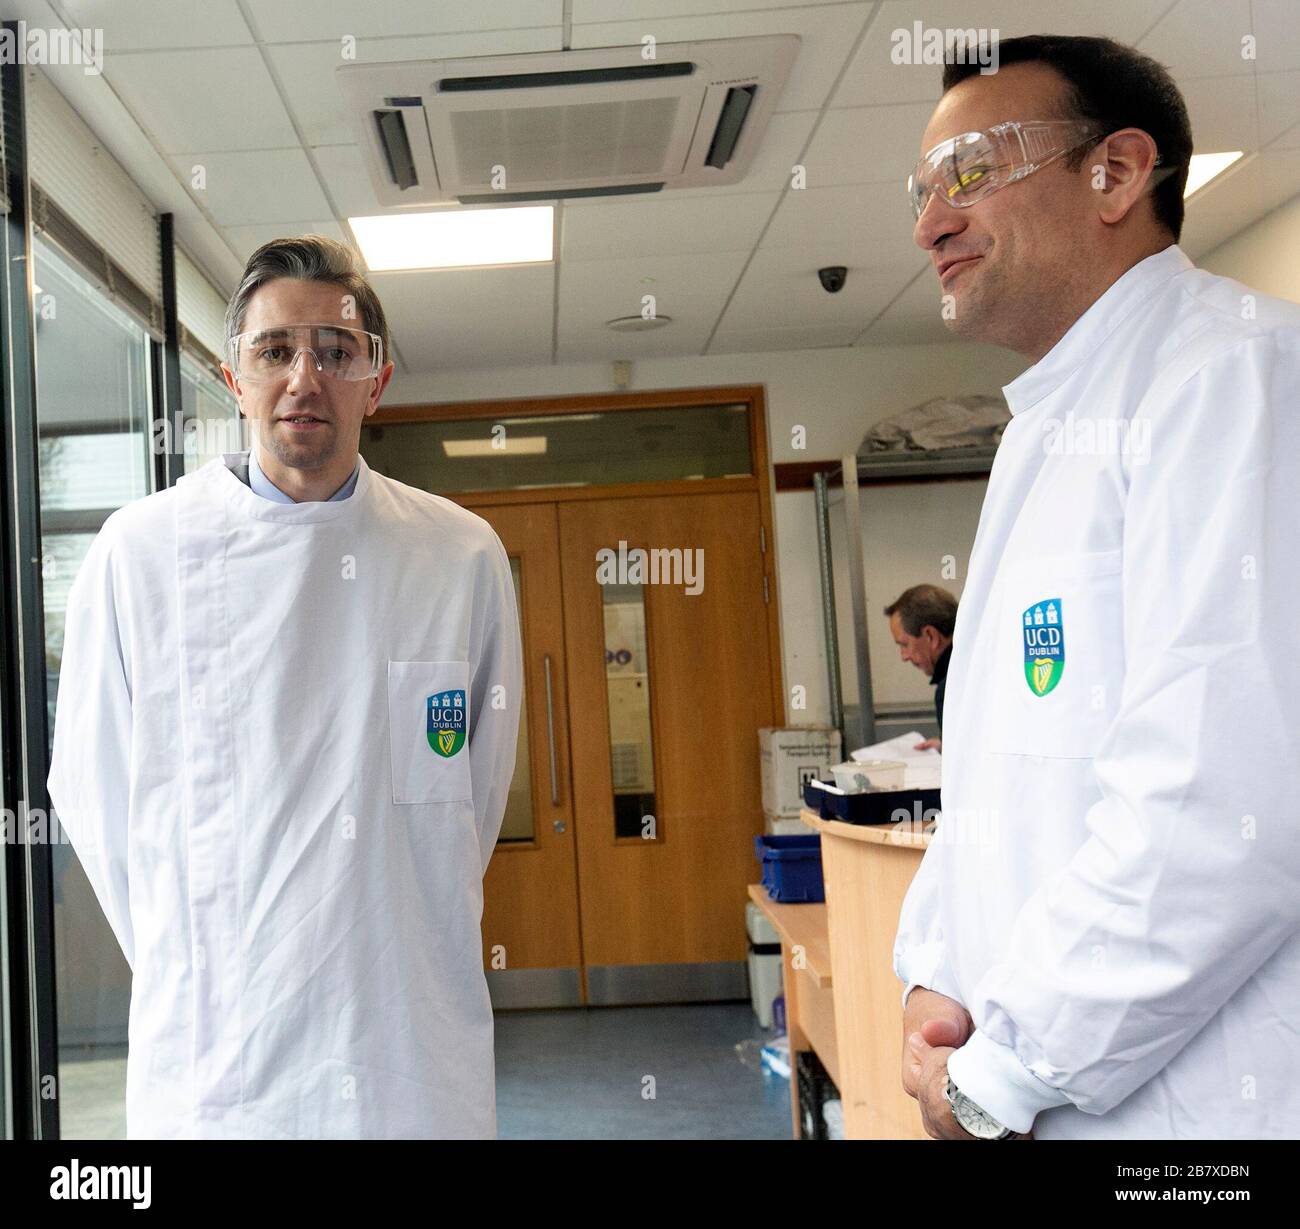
(84, 201)
(202, 311)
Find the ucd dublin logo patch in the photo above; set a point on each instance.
(445, 722)
(1044, 645)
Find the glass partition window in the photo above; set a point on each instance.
(93, 403)
(211, 415)
(606, 448)
(627, 694)
(517, 825)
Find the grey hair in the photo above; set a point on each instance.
(924, 606)
(312, 258)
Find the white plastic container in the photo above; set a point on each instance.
(764, 968)
(855, 778)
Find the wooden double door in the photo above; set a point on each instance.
(627, 847)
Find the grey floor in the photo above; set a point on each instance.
(92, 1092)
(637, 1073)
(687, 1072)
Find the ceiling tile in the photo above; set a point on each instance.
(868, 223)
(344, 173)
(1277, 35)
(585, 11)
(867, 145)
(243, 189)
(914, 316)
(593, 291)
(817, 337)
(308, 70)
(1222, 113)
(294, 21)
(1290, 139)
(897, 331)
(781, 289)
(1204, 38)
(245, 240)
(665, 225)
(688, 334)
(1201, 38)
(827, 31)
(783, 143)
(873, 77)
(202, 100)
(1241, 112)
(178, 23)
(1279, 105)
(448, 318)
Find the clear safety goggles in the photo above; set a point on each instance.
(271, 354)
(966, 168)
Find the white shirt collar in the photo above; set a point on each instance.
(1087, 334)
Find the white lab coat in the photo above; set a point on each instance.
(1114, 889)
(243, 763)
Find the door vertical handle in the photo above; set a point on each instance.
(550, 731)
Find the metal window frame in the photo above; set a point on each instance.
(854, 472)
(29, 981)
(27, 967)
(165, 364)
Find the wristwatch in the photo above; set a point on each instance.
(973, 1120)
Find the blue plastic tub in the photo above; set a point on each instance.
(792, 868)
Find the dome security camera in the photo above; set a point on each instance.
(833, 278)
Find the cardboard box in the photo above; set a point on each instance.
(789, 756)
(776, 825)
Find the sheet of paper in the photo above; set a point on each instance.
(923, 767)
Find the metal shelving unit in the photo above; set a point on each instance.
(855, 472)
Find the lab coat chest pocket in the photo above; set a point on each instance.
(428, 731)
(1059, 652)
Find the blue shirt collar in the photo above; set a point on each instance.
(263, 486)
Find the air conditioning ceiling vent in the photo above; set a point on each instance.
(597, 122)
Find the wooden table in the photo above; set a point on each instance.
(842, 999)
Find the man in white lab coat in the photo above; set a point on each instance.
(1104, 938)
(286, 726)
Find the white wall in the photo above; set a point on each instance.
(836, 394)
(1265, 256)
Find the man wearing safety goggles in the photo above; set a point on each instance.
(305, 389)
(286, 728)
(1118, 957)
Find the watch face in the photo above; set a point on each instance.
(979, 1124)
(973, 1120)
